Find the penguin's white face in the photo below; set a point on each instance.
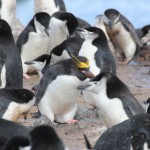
(87, 35)
(93, 86)
(40, 28)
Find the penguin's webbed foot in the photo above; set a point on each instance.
(26, 76)
(72, 121)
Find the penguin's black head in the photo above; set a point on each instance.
(80, 67)
(16, 142)
(71, 20)
(41, 21)
(145, 30)
(111, 17)
(45, 138)
(4, 28)
(40, 62)
(90, 32)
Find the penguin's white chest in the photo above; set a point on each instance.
(88, 50)
(3, 77)
(61, 95)
(122, 40)
(36, 45)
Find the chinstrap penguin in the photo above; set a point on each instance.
(15, 103)
(113, 98)
(34, 40)
(96, 49)
(145, 35)
(57, 95)
(49, 6)
(62, 25)
(122, 34)
(10, 60)
(131, 134)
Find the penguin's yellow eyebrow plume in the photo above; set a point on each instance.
(80, 64)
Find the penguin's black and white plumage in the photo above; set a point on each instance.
(66, 49)
(147, 105)
(10, 60)
(113, 98)
(145, 39)
(40, 64)
(15, 103)
(96, 49)
(132, 134)
(57, 94)
(34, 39)
(49, 6)
(122, 34)
(9, 129)
(45, 138)
(62, 25)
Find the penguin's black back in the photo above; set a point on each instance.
(9, 129)
(45, 138)
(13, 64)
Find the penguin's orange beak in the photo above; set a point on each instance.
(89, 74)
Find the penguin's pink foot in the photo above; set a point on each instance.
(72, 121)
(26, 76)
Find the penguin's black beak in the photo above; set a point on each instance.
(29, 62)
(47, 31)
(110, 24)
(88, 74)
(83, 87)
(25, 116)
(79, 29)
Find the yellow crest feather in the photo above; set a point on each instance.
(80, 64)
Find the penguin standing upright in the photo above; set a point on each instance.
(122, 34)
(96, 49)
(49, 6)
(10, 61)
(57, 94)
(62, 25)
(113, 98)
(15, 103)
(34, 40)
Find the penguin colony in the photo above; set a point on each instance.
(71, 57)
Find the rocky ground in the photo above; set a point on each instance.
(136, 77)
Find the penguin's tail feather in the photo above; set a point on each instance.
(88, 145)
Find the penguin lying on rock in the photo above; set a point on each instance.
(133, 133)
(57, 95)
(113, 98)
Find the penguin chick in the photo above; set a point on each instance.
(45, 138)
(131, 134)
(57, 95)
(66, 49)
(95, 48)
(34, 40)
(10, 60)
(9, 129)
(113, 98)
(49, 6)
(62, 25)
(15, 102)
(122, 34)
(40, 63)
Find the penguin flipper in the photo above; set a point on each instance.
(129, 27)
